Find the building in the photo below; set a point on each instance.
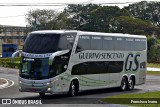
(13, 34)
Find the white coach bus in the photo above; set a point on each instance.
(57, 61)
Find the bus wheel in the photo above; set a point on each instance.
(123, 86)
(41, 94)
(131, 83)
(72, 90)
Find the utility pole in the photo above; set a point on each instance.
(35, 23)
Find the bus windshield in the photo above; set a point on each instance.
(41, 43)
(35, 69)
(38, 69)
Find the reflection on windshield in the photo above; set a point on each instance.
(35, 69)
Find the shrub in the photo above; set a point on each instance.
(6, 62)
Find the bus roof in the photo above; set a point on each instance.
(111, 34)
(88, 33)
(54, 31)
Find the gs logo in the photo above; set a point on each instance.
(129, 62)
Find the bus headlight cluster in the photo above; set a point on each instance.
(49, 89)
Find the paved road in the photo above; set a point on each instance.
(86, 97)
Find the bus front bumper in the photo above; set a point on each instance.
(35, 86)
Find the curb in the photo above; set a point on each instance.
(153, 69)
(4, 85)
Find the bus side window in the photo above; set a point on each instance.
(66, 42)
(58, 68)
(119, 43)
(129, 44)
(96, 43)
(115, 66)
(83, 43)
(140, 44)
(108, 43)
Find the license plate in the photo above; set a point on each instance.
(33, 90)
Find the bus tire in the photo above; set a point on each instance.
(72, 90)
(41, 94)
(131, 83)
(124, 84)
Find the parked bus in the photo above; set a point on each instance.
(58, 61)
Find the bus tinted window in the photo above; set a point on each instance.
(140, 44)
(66, 41)
(129, 44)
(115, 66)
(111, 43)
(118, 43)
(108, 43)
(57, 68)
(83, 43)
(96, 43)
(41, 43)
(97, 67)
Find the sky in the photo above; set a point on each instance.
(15, 15)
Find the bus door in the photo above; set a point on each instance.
(57, 69)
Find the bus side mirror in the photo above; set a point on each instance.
(15, 54)
(58, 53)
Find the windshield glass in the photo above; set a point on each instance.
(41, 43)
(35, 69)
(38, 69)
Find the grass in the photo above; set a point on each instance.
(153, 73)
(129, 99)
(154, 65)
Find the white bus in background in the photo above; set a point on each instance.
(57, 61)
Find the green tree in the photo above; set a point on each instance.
(154, 53)
(127, 24)
(146, 11)
(80, 15)
(45, 19)
(93, 17)
(104, 17)
(151, 41)
(62, 22)
(151, 50)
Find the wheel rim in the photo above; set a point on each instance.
(130, 84)
(73, 89)
(123, 85)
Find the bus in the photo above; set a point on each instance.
(69, 61)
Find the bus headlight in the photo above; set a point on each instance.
(49, 89)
